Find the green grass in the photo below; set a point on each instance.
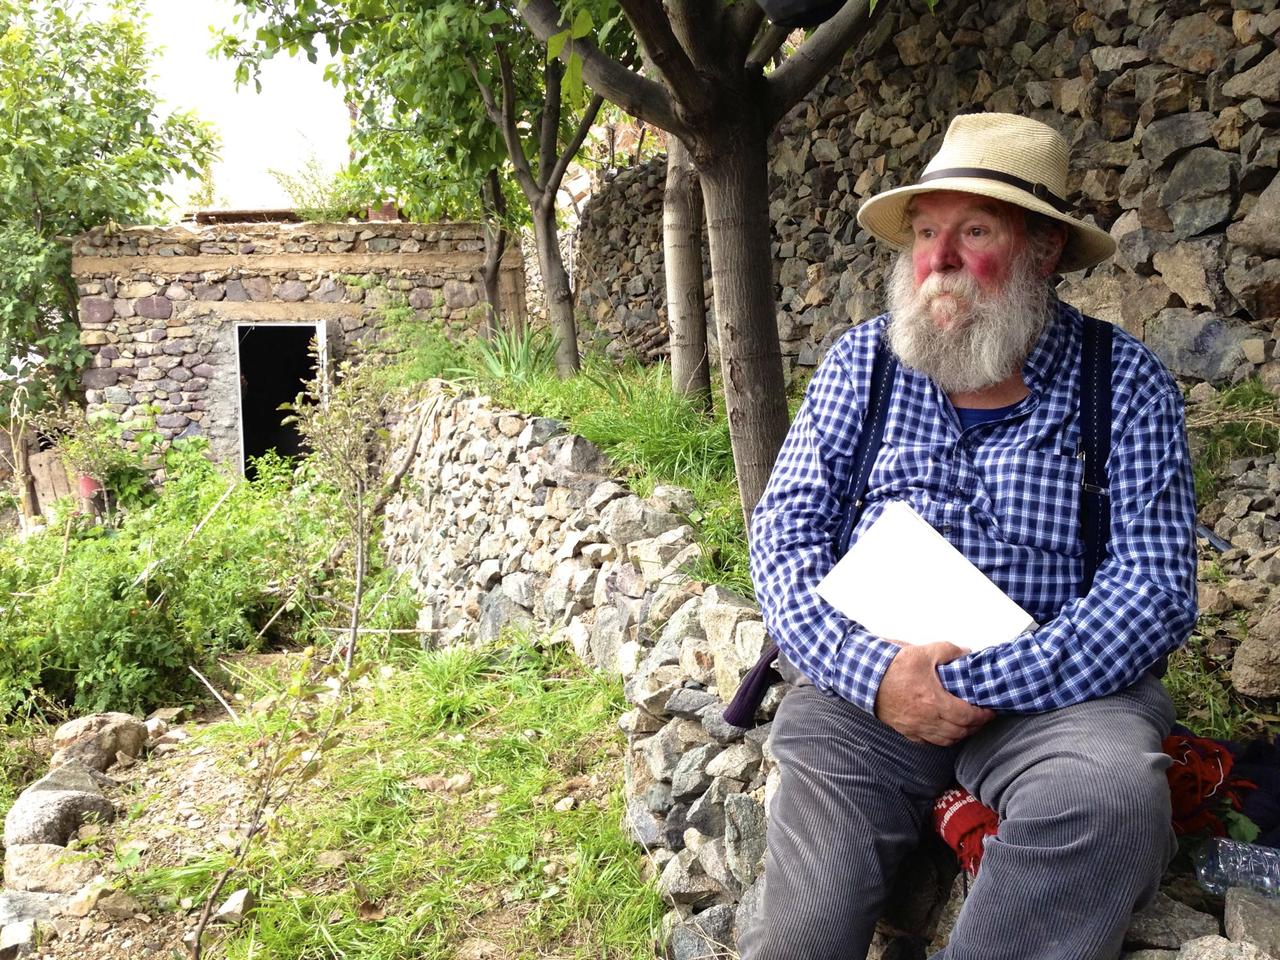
(1199, 683)
(432, 869)
(20, 762)
(1241, 421)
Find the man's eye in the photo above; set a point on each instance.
(924, 233)
(977, 231)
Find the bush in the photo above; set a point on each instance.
(110, 617)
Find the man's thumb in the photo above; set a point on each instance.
(946, 652)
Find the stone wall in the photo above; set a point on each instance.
(506, 519)
(1172, 110)
(159, 305)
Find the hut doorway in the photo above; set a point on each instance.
(274, 362)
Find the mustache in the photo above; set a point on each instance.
(960, 285)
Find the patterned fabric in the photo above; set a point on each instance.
(1006, 495)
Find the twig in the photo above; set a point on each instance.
(216, 695)
(383, 631)
(66, 543)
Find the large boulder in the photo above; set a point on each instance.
(47, 868)
(55, 807)
(1201, 346)
(96, 741)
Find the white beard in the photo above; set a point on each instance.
(987, 335)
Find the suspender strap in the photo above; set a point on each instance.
(1095, 446)
(742, 708)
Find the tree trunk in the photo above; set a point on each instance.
(496, 237)
(555, 288)
(23, 482)
(735, 187)
(682, 259)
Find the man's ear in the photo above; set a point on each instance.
(1055, 243)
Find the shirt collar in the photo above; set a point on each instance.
(1043, 365)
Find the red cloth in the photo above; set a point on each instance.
(964, 822)
(1200, 783)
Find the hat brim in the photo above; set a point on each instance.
(885, 215)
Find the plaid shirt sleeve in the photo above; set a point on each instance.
(795, 525)
(1143, 600)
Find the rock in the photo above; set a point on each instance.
(739, 762)
(95, 740)
(627, 519)
(41, 815)
(744, 835)
(652, 688)
(1166, 923)
(1199, 193)
(538, 431)
(721, 614)
(1193, 271)
(749, 904)
(1261, 81)
(690, 777)
(1219, 948)
(119, 905)
(497, 610)
(713, 721)
(689, 703)
(17, 907)
(235, 908)
(684, 881)
(47, 868)
(1170, 136)
(672, 499)
(1254, 918)
(1197, 43)
(706, 814)
(704, 936)
(17, 939)
(1257, 231)
(573, 455)
(663, 751)
(642, 825)
(153, 308)
(1196, 345)
(1255, 670)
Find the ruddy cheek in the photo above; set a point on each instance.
(986, 268)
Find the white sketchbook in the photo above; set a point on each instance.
(903, 581)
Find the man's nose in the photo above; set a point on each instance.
(944, 255)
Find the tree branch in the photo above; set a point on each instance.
(770, 42)
(741, 24)
(638, 96)
(697, 26)
(548, 136)
(552, 183)
(653, 29)
(504, 119)
(823, 49)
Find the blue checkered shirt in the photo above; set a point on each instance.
(1006, 495)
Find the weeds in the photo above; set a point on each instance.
(1241, 421)
(424, 866)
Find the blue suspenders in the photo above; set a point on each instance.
(1095, 507)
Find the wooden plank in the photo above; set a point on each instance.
(50, 476)
(461, 265)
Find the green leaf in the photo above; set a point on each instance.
(555, 43)
(1240, 827)
(573, 77)
(581, 25)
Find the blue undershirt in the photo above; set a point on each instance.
(971, 416)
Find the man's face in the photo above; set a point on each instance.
(970, 298)
(963, 248)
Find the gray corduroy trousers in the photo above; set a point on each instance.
(1084, 827)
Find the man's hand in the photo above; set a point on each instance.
(912, 700)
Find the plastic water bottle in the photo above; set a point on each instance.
(1223, 863)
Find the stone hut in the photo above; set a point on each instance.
(212, 326)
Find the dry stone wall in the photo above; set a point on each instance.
(1172, 110)
(159, 305)
(506, 519)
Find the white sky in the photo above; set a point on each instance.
(297, 116)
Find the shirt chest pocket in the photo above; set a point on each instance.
(1035, 497)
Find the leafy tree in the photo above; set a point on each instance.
(470, 82)
(81, 145)
(707, 85)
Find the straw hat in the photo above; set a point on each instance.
(1003, 156)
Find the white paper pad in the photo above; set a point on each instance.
(903, 581)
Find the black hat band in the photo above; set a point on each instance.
(1037, 190)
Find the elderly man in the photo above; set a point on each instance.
(1058, 730)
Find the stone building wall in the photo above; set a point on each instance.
(159, 305)
(1172, 110)
(506, 519)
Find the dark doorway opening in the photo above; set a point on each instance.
(275, 363)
